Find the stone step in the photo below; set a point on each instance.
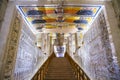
(59, 69)
(62, 68)
(59, 73)
(57, 78)
(60, 77)
(70, 72)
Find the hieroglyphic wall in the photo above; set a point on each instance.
(27, 56)
(71, 45)
(97, 56)
(11, 50)
(22, 58)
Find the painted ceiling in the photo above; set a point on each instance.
(59, 18)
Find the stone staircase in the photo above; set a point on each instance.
(59, 69)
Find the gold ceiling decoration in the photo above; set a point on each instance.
(59, 17)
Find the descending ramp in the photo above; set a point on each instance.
(62, 68)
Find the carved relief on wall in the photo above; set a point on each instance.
(96, 54)
(11, 49)
(27, 55)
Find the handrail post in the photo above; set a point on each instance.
(79, 73)
(40, 75)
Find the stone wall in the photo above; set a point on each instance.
(3, 5)
(116, 28)
(28, 55)
(8, 59)
(97, 55)
(9, 39)
(116, 5)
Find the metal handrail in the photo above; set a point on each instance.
(40, 74)
(78, 72)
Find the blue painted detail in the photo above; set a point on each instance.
(34, 12)
(84, 12)
(38, 21)
(79, 28)
(81, 21)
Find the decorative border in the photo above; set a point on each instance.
(11, 49)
